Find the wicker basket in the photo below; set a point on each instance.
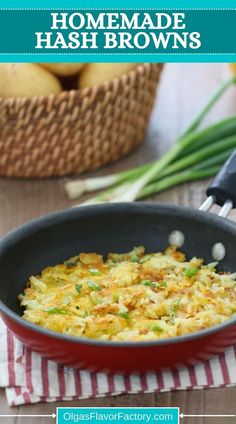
(77, 130)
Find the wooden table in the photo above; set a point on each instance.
(184, 88)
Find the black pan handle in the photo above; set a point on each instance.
(223, 187)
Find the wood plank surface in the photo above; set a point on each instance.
(183, 89)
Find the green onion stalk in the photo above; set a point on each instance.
(207, 168)
(197, 154)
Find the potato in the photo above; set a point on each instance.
(233, 68)
(26, 80)
(63, 69)
(96, 73)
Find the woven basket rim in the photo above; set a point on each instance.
(40, 135)
(84, 92)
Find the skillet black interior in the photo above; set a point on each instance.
(106, 228)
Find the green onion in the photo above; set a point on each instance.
(56, 311)
(210, 103)
(93, 286)
(135, 258)
(94, 271)
(77, 188)
(172, 317)
(173, 309)
(197, 139)
(190, 272)
(175, 304)
(196, 155)
(145, 259)
(205, 169)
(124, 315)
(156, 328)
(115, 297)
(78, 288)
(154, 284)
(147, 283)
(176, 179)
(133, 192)
(199, 171)
(72, 261)
(216, 148)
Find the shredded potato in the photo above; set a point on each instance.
(130, 297)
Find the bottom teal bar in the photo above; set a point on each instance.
(118, 415)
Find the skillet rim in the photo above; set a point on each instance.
(44, 221)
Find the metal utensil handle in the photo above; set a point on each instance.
(223, 188)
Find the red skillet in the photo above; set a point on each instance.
(120, 227)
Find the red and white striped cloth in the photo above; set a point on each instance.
(28, 378)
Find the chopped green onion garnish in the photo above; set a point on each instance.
(93, 286)
(145, 259)
(175, 304)
(56, 311)
(115, 297)
(147, 283)
(72, 261)
(157, 328)
(190, 272)
(135, 258)
(78, 287)
(94, 271)
(172, 317)
(154, 284)
(123, 315)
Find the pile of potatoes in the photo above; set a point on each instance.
(30, 80)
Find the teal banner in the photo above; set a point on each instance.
(117, 415)
(137, 4)
(94, 35)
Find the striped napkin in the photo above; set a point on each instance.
(29, 378)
